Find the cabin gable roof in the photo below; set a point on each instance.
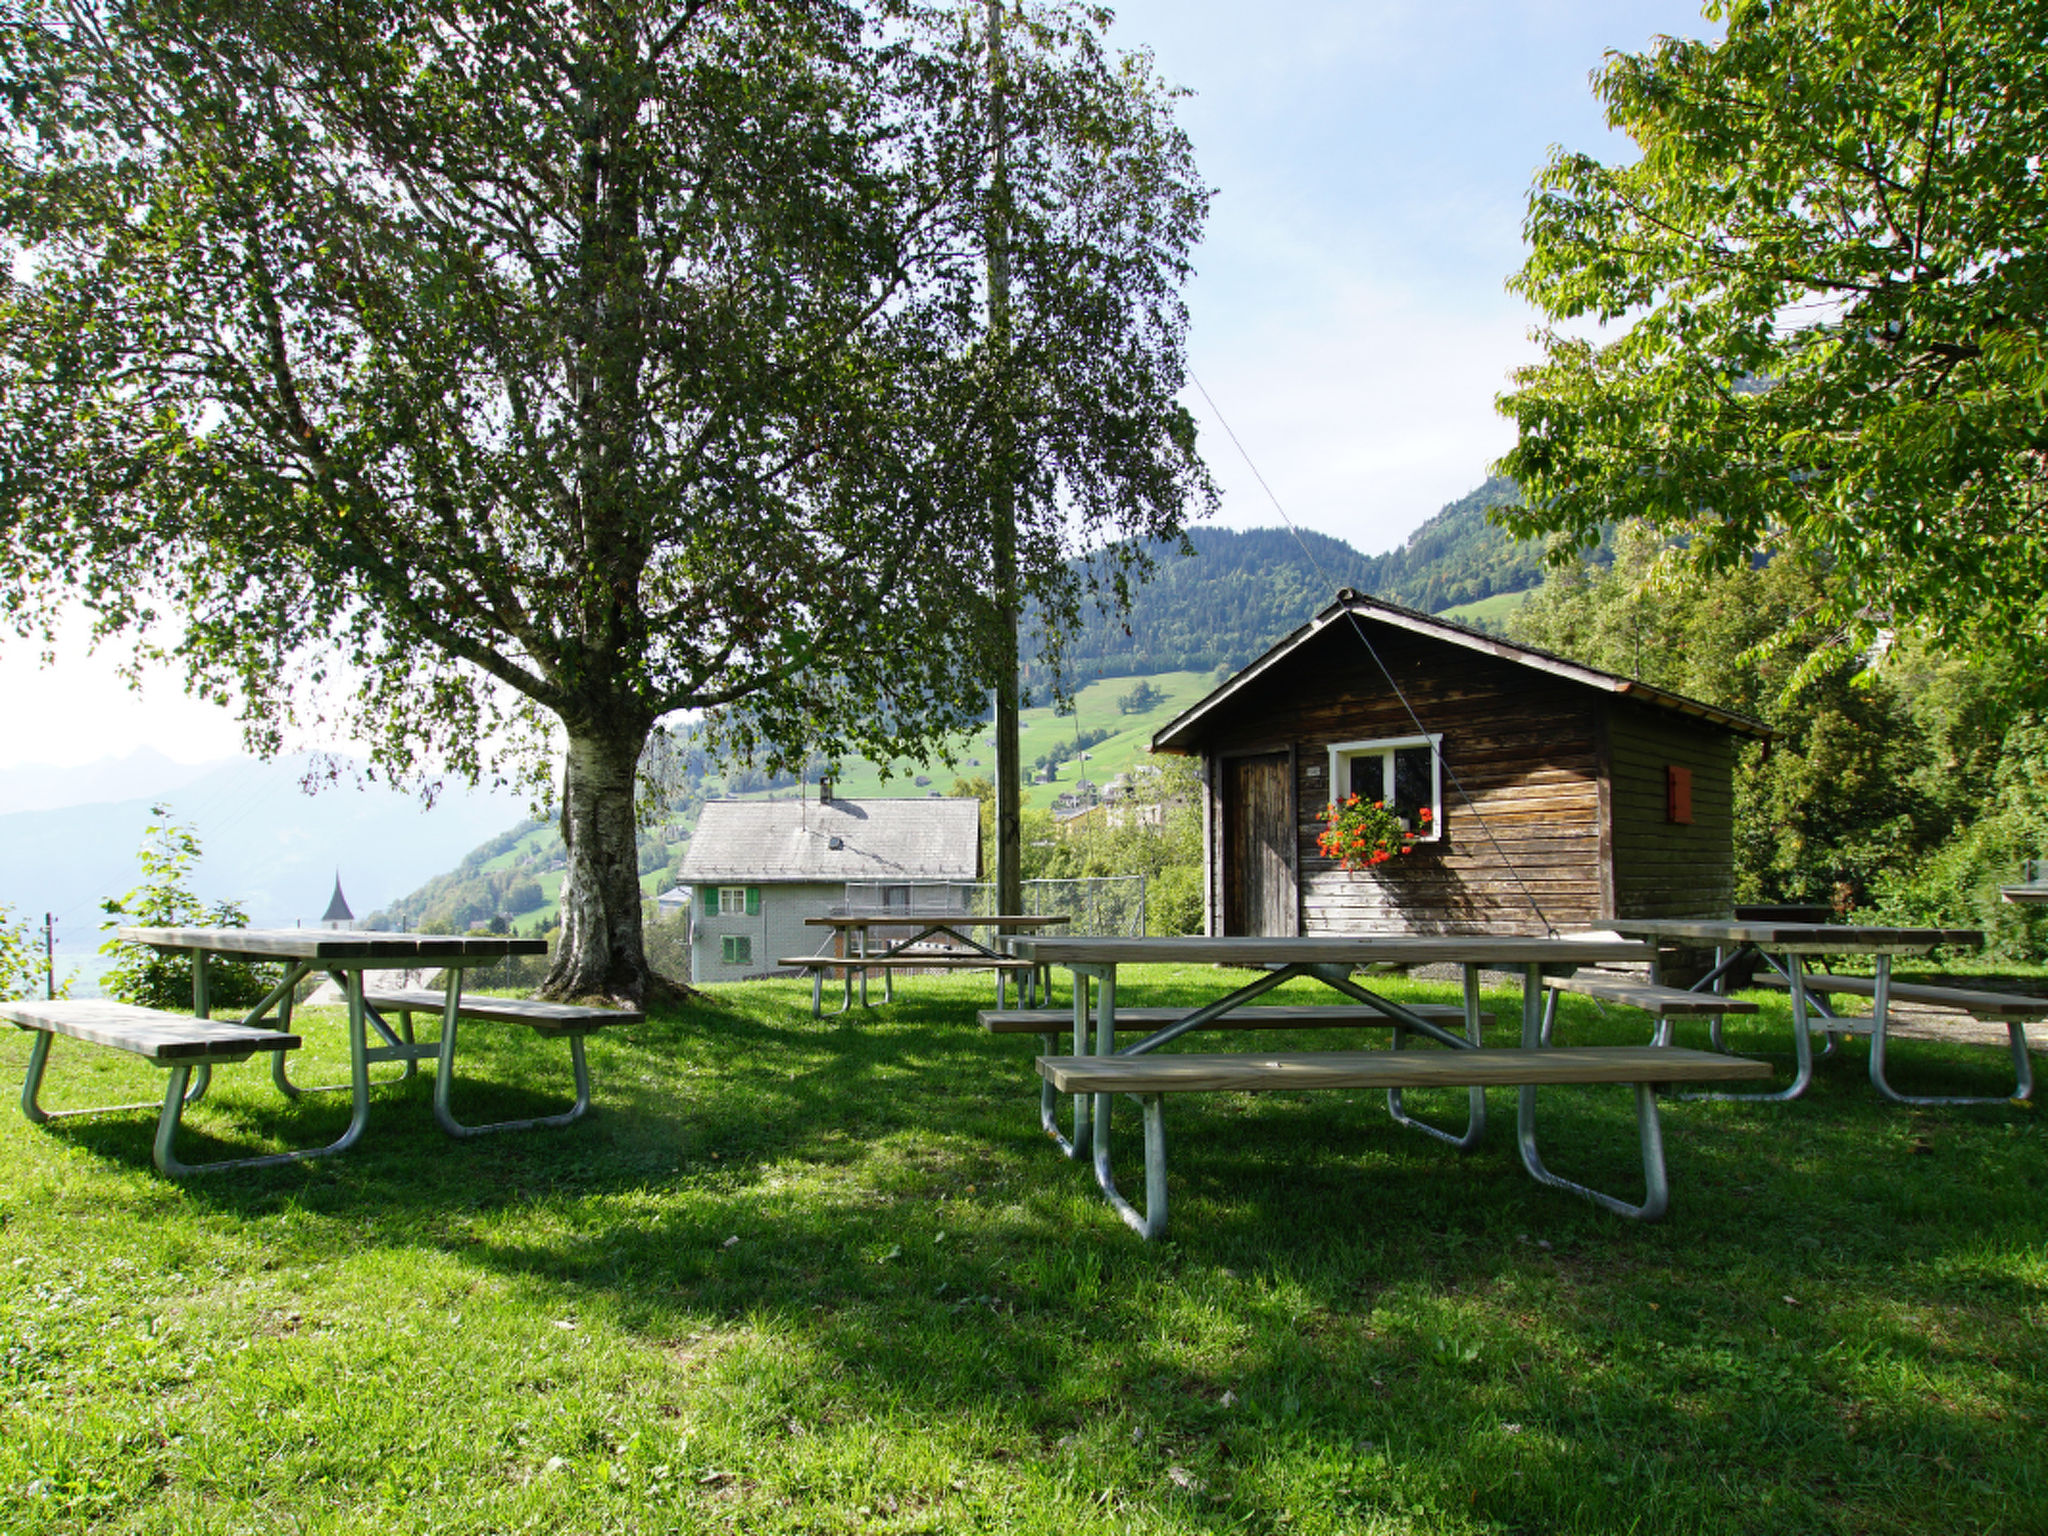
(1185, 732)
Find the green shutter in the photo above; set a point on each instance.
(707, 901)
(753, 901)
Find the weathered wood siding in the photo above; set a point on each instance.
(1663, 868)
(1260, 846)
(1526, 747)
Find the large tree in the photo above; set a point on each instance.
(1828, 274)
(537, 371)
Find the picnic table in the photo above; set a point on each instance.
(1094, 1075)
(916, 941)
(188, 1047)
(1786, 947)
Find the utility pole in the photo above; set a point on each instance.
(1003, 489)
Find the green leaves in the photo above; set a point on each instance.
(1829, 267)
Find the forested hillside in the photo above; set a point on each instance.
(1244, 589)
(1909, 791)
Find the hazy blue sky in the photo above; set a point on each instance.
(1371, 162)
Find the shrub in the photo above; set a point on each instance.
(152, 979)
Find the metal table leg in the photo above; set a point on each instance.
(1475, 1114)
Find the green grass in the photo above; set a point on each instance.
(931, 1322)
(1487, 610)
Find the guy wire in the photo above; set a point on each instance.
(1358, 629)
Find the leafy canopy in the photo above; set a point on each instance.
(1831, 263)
(568, 366)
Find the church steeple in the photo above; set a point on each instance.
(337, 914)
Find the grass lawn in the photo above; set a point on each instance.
(793, 1276)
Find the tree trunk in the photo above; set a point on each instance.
(600, 952)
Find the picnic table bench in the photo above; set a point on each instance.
(930, 941)
(567, 1020)
(186, 1047)
(2015, 1010)
(1150, 1078)
(1662, 1003)
(1046, 1024)
(928, 960)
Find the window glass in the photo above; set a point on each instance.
(732, 900)
(738, 949)
(1414, 786)
(1400, 773)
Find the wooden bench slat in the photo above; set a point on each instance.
(549, 1018)
(937, 961)
(1249, 1072)
(151, 1033)
(1648, 996)
(1046, 1021)
(1984, 1005)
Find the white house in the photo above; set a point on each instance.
(760, 867)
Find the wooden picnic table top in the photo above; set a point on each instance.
(334, 944)
(1017, 921)
(1802, 938)
(2024, 895)
(1359, 949)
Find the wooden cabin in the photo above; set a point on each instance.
(1560, 796)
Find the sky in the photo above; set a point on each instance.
(1349, 318)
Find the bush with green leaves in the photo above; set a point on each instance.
(21, 967)
(164, 899)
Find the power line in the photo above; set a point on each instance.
(1366, 640)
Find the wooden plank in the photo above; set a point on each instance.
(549, 1018)
(937, 961)
(902, 919)
(1803, 938)
(1049, 1021)
(1482, 949)
(1251, 1072)
(322, 944)
(1646, 996)
(1986, 1005)
(149, 1033)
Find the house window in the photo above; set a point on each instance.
(732, 901)
(736, 949)
(1405, 772)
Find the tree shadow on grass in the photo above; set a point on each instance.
(1837, 1304)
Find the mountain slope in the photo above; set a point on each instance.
(268, 845)
(1245, 588)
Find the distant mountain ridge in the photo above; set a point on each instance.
(268, 845)
(143, 774)
(1245, 588)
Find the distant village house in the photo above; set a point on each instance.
(758, 868)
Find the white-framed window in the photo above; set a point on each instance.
(1405, 772)
(736, 949)
(732, 901)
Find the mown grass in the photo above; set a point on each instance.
(794, 1276)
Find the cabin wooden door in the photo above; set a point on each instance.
(1259, 897)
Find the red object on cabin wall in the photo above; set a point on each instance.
(1678, 794)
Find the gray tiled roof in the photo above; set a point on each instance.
(765, 841)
